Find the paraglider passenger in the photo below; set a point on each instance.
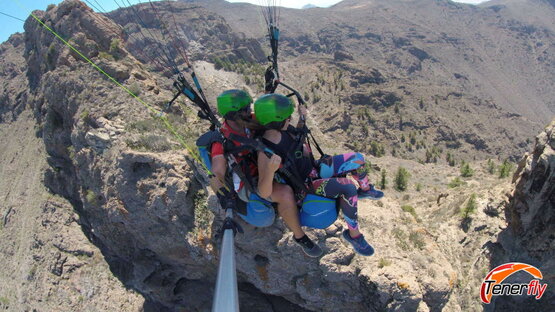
(234, 106)
(274, 111)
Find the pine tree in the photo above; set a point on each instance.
(505, 169)
(466, 171)
(383, 181)
(491, 167)
(402, 179)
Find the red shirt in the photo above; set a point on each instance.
(218, 148)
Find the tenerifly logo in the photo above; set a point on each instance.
(493, 283)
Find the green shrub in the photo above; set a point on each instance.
(417, 240)
(91, 197)
(491, 166)
(402, 179)
(203, 215)
(135, 88)
(51, 55)
(144, 126)
(383, 263)
(115, 49)
(505, 169)
(367, 168)
(432, 155)
(84, 115)
(470, 207)
(410, 209)
(383, 180)
(376, 149)
(466, 171)
(401, 239)
(150, 143)
(5, 301)
(451, 160)
(106, 56)
(456, 183)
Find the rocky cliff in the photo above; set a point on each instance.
(530, 234)
(143, 223)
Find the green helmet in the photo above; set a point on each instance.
(233, 101)
(272, 107)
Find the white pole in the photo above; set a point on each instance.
(226, 296)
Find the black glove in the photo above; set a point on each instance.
(226, 198)
(270, 84)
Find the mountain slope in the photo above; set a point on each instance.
(481, 77)
(138, 196)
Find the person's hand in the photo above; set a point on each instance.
(302, 110)
(275, 162)
(226, 198)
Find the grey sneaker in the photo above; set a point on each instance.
(309, 248)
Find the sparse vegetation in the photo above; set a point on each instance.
(402, 179)
(451, 159)
(433, 154)
(491, 166)
(84, 115)
(505, 169)
(417, 240)
(203, 215)
(115, 49)
(145, 125)
(412, 138)
(51, 55)
(456, 182)
(71, 152)
(135, 88)
(418, 187)
(367, 168)
(376, 149)
(150, 143)
(410, 209)
(32, 272)
(383, 263)
(401, 239)
(467, 211)
(466, 171)
(91, 197)
(4, 301)
(383, 180)
(470, 207)
(106, 56)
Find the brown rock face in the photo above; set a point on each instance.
(530, 235)
(142, 206)
(532, 210)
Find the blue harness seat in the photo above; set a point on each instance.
(318, 212)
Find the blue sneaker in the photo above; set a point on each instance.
(359, 244)
(371, 193)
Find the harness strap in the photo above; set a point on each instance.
(289, 171)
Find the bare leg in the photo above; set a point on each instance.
(282, 194)
(354, 233)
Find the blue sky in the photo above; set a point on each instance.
(21, 9)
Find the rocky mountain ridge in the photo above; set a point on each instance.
(139, 199)
(454, 75)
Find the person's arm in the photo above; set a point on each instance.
(266, 169)
(302, 116)
(219, 167)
